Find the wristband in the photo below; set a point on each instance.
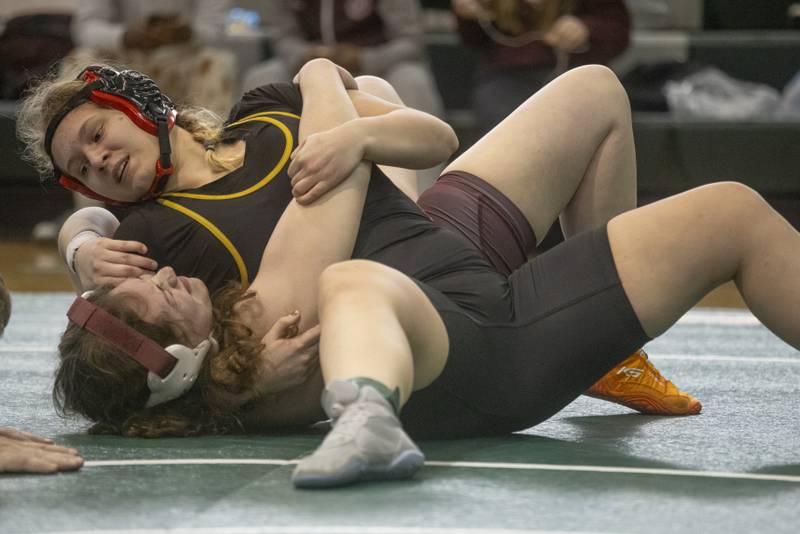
(74, 244)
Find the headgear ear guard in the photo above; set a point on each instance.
(138, 97)
(172, 371)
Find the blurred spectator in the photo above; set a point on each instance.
(379, 37)
(526, 43)
(30, 44)
(170, 40)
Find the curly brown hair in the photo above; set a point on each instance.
(108, 387)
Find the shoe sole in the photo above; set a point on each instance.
(404, 466)
(648, 406)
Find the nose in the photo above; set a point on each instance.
(167, 276)
(98, 157)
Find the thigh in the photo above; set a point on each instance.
(478, 212)
(423, 326)
(573, 323)
(543, 148)
(669, 254)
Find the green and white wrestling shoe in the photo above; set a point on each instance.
(366, 442)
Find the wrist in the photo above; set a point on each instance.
(74, 244)
(359, 133)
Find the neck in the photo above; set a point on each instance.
(188, 159)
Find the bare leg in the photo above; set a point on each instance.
(671, 253)
(567, 151)
(377, 323)
(406, 180)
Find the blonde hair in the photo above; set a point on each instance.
(49, 95)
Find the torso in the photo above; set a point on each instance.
(218, 232)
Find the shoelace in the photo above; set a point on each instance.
(655, 378)
(350, 421)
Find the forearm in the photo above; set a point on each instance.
(405, 138)
(309, 238)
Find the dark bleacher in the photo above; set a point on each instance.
(672, 155)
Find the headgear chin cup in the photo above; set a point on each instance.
(140, 99)
(172, 371)
(183, 376)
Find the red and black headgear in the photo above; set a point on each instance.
(138, 97)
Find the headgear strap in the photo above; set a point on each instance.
(137, 96)
(129, 340)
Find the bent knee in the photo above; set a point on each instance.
(379, 87)
(604, 86)
(741, 200)
(361, 276)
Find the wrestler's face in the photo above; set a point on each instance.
(177, 300)
(101, 148)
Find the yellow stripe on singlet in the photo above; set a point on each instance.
(287, 151)
(216, 232)
(208, 225)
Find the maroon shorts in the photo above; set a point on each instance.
(474, 209)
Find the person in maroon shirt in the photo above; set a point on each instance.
(526, 43)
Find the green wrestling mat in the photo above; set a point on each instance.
(595, 467)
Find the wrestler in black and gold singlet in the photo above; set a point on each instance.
(521, 346)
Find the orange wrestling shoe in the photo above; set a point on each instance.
(637, 384)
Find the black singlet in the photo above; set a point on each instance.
(218, 232)
(521, 347)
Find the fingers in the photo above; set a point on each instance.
(48, 463)
(284, 327)
(53, 448)
(134, 247)
(312, 362)
(295, 164)
(316, 192)
(109, 261)
(309, 338)
(302, 186)
(20, 435)
(130, 253)
(34, 457)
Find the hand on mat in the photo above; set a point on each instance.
(290, 357)
(323, 160)
(25, 452)
(104, 261)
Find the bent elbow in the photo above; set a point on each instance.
(452, 140)
(447, 140)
